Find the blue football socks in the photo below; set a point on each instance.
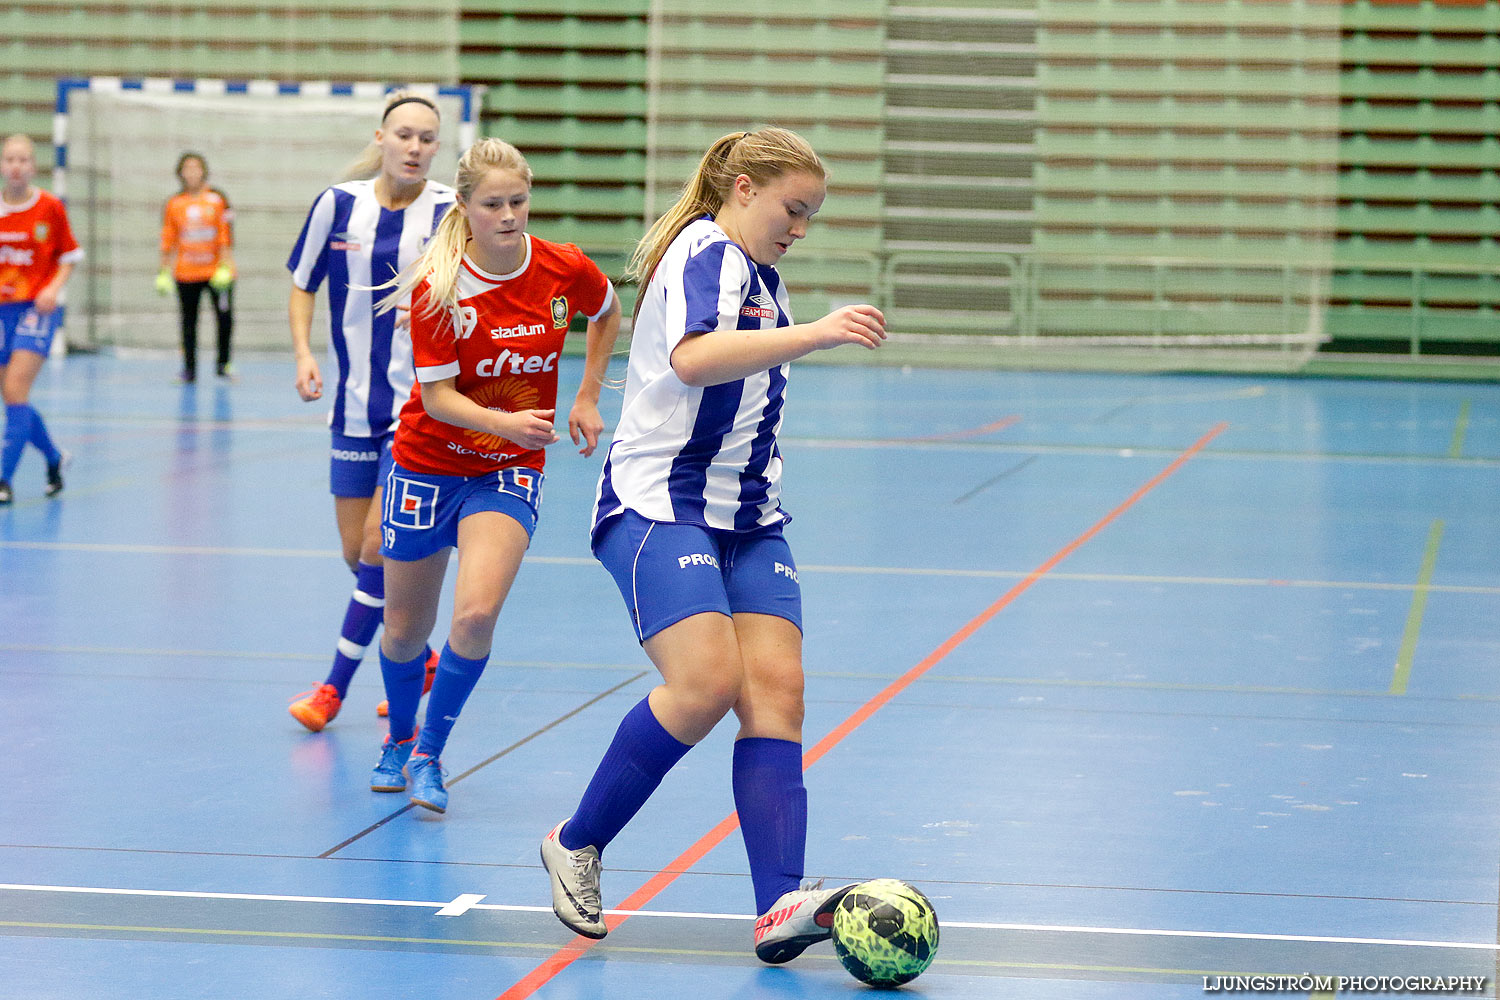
(17, 433)
(772, 803)
(42, 439)
(361, 619)
(455, 680)
(640, 755)
(403, 690)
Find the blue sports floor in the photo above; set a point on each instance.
(1142, 679)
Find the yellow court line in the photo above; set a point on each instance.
(1418, 608)
(1460, 428)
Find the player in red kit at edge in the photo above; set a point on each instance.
(490, 311)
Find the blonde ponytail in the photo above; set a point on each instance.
(441, 259)
(367, 163)
(762, 155)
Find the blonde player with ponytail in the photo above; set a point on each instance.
(490, 310)
(362, 232)
(688, 520)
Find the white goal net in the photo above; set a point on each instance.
(271, 149)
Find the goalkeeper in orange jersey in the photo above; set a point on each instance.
(197, 255)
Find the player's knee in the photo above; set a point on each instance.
(716, 691)
(473, 625)
(777, 705)
(400, 642)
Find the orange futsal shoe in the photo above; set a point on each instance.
(316, 708)
(384, 708)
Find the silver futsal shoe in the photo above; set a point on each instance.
(575, 885)
(797, 919)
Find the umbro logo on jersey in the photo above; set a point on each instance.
(764, 307)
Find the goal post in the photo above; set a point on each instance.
(271, 147)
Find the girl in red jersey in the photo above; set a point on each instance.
(37, 254)
(490, 310)
(197, 255)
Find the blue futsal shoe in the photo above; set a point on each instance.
(389, 775)
(427, 788)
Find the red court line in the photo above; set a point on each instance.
(998, 425)
(579, 946)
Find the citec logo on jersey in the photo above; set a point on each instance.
(560, 312)
(16, 256)
(519, 330)
(344, 241)
(12, 237)
(697, 559)
(506, 363)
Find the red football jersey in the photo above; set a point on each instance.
(505, 355)
(34, 239)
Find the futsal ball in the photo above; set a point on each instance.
(885, 932)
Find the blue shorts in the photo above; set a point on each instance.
(667, 572)
(422, 512)
(356, 465)
(26, 329)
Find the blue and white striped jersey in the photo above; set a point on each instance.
(354, 243)
(699, 456)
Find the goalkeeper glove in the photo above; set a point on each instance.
(222, 279)
(164, 282)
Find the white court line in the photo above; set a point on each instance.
(462, 903)
(470, 901)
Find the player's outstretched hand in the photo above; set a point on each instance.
(860, 324)
(585, 425)
(403, 317)
(309, 381)
(530, 428)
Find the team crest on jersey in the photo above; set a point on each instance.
(560, 314)
(39, 233)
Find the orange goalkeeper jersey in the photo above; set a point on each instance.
(196, 228)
